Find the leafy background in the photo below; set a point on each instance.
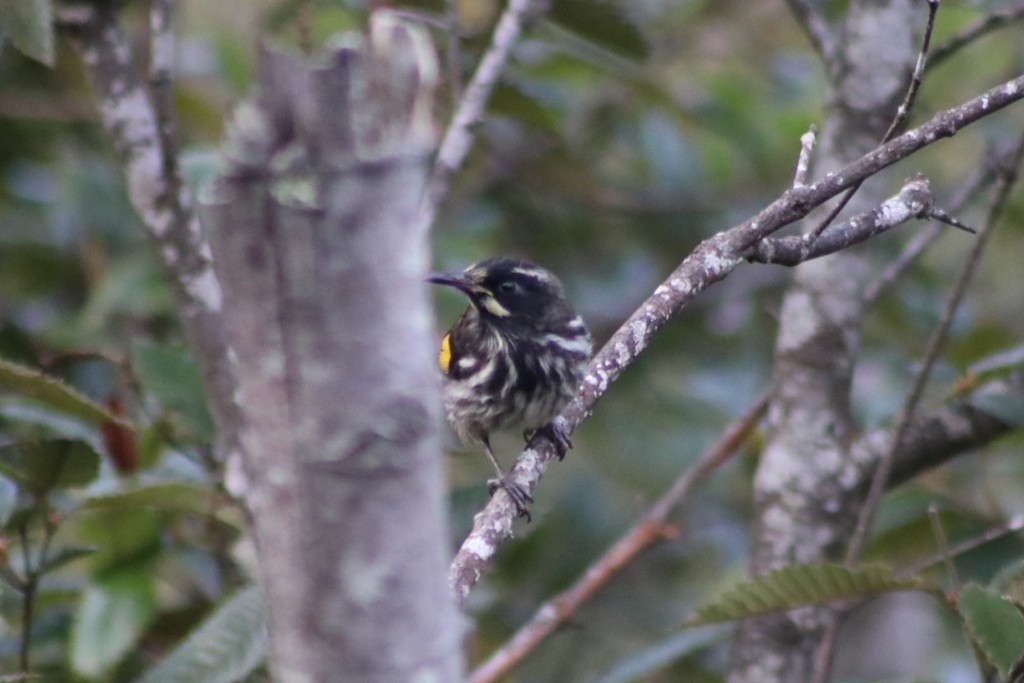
(620, 136)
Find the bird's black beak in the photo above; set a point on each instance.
(458, 280)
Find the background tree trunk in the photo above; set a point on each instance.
(806, 479)
(313, 234)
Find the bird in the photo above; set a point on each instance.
(514, 359)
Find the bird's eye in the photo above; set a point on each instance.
(508, 287)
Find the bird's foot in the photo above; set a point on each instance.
(555, 434)
(516, 493)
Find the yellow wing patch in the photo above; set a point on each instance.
(444, 356)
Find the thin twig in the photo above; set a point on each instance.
(650, 528)
(903, 111)
(458, 138)
(943, 216)
(880, 478)
(957, 549)
(899, 120)
(712, 260)
(816, 27)
(992, 21)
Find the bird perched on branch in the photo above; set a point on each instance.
(513, 360)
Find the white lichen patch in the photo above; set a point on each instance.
(205, 287)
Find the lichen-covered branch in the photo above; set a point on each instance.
(712, 260)
(914, 200)
(141, 137)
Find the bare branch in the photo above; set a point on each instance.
(712, 260)
(914, 200)
(994, 20)
(803, 163)
(459, 137)
(652, 527)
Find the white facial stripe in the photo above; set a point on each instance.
(534, 273)
(494, 308)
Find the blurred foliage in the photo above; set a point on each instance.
(621, 134)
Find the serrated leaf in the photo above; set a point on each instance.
(798, 586)
(225, 648)
(54, 393)
(601, 23)
(28, 24)
(40, 466)
(995, 624)
(111, 618)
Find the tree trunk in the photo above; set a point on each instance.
(313, 232)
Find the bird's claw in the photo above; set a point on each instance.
(516, 493)
(555, 434)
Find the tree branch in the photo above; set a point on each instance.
(652, 527)
(140, 135)
(712, 260)
(914, 200)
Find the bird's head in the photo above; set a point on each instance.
(510, 290)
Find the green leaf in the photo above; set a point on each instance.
(170, 496)
(601, 23)
(174, 377)
(995, 624)
(123, 538)
(225, 648)
(800, 585)
(28, 24)
(40, 466)
(54, 393)
(111, 618)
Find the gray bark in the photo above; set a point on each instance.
(313, 232)
(806, 475)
